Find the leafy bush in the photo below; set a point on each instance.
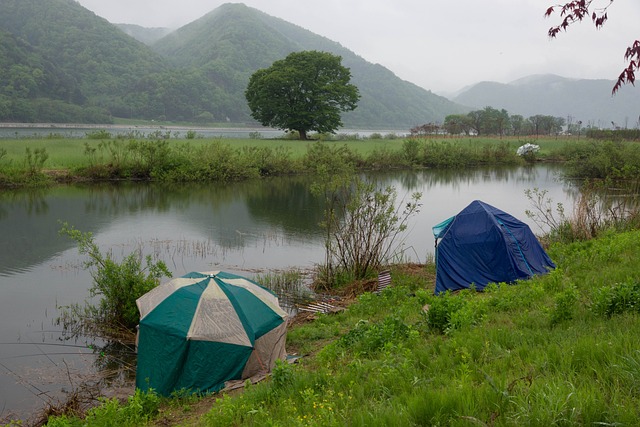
(282, 374)
(34, 161)
(148, 158)
(618, 298)
(367, 338)
(118, 284)
(138, 410)
(411, 149)
(365, 232)
(564, 305)
(602, 160)
(450, 311)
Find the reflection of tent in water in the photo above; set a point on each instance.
(482, 245)
(203, 329)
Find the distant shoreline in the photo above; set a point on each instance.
(118, 126)
(125, 127)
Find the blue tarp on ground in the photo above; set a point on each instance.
(482, 245)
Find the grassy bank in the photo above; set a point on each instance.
(98, 157)
(560, 349)
(29, 162)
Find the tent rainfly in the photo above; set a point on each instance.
(200, 330)
(482, 245)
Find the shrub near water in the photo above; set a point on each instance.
(117, 284)
(602, 159)
(456, 154)
(540, 353)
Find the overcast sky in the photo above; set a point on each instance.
(442, 45)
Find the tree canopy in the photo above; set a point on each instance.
(577, 10)
(490, 121)
(304, 92)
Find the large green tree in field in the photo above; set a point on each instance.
(304, 92)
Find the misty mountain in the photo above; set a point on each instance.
(587, 100)
(63, 60)
(62, 63)
(233, 41)
(145, 35)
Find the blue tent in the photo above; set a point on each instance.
(482, 245)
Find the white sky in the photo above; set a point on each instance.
(442, 45)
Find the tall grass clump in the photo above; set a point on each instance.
(456, 154)
(595, 212)
(291, 286)
(139, 409)
(617, 298)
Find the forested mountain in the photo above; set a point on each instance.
(233, 41)
(96, 66)
(145, 35)
(589, 101)
(62, 63)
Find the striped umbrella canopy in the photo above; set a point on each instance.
(200, 330)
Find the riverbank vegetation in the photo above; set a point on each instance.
(556, 349)
(559, 349)
(40, 162)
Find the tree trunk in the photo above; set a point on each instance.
(303, 134)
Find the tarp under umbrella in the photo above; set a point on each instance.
(200, 330)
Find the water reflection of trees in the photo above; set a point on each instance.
(226, 214)
(429, 178)
(289, 205)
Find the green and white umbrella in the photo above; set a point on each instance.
(200, 330)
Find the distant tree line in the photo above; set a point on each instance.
(491, 121)
(614, 134)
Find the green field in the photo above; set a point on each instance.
(70, 152)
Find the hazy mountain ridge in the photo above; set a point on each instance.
(234, 40)
(589, 101)
(145, 35)
(83, 63)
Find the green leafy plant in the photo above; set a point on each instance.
(366, 233)
(565, 305)
(117, 284)
(282, 374)
(34, 161)
(617, 298)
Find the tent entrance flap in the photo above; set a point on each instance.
(439, 229)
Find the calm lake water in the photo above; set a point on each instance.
(242, 227)
(40, 130)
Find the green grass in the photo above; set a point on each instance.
(538, 353)
(505, 358)
(30, 162)
(70, 152)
